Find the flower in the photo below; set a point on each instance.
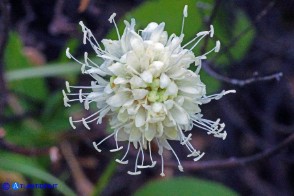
(145, 87)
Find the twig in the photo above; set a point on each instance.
(225, 49)
(83, 185)
(235, 162)
(4, 26)
(246, 30)
(240, 82)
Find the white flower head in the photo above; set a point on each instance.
(145, 87)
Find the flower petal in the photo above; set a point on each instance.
(118, 99)
(147, 76)
(164, 80)
(137, 82)
(179, 115)
(171, 132)
(150, 133)
(140, 117)
(135, 134)
(139, 93)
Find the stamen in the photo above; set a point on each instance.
(136, 166)
(160, 152)
(217, 47)
(71, 123)
(105, 139)
(71, 56)
(122, 160)
(134, 173)
(199, 157)
(194, 154)
(162, 167)
(67, 86)
(96, 147)
(83, 68)
(185, 15)
(117, 149)
(81, 95)
(199, 66)
(205, 33)
(111, 19)
(185, 140)
(150, 154)
(65, 99)
(180, 165)
(68, 53)
(211, 31)
(85, 124)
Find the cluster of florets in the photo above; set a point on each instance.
(145, 87)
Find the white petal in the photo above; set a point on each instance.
(108, 89)
(150, 133)
(146, 33)
(156, 33)
(164, 80)
(172, 89)
(168, 104)
(171, 132)
(122, 136)
(159, 129)
(119, 99)
(97, 71)
(117, 69)
(120, 80)
(135, 134)
(122, 116)
(179, 115)
(189, 89)
(137, 44)
(137, 82)
(147, 76)
(133, 61)
(157, 65)
(157, 107)
(163, 142)
(113, 47)
(191, 107)
(140, 117)
(139, 93)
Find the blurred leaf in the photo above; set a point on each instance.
(26, 166)
(46, 71)
(15, 60)
(184, 186)
(169, 12)
(239, 49)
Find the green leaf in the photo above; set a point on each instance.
(26, 166)
(184, 186)
(14, 60)
(45, 71)
(170, 12)
(226, 34)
